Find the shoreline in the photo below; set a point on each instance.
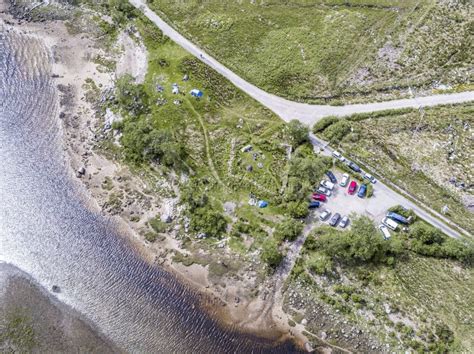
(53, 323)
(71, 65)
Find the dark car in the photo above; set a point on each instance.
(354, 167)
(352, 187)
(331, 176)
(362, 190)
(320, 197)
(313, 205)
(335, 219)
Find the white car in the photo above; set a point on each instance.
(325, 214)
(370, 177)
(344, 180)
(324, 191)
(390, 223)
(344, 221)
(385, 232)
(338, 155)
(327, 185)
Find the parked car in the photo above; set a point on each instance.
(369, 177)
(319, 197)
(344, 180)
(323, 190)
(335, 219)
(354, 167)
(344, 221)
(325, 214)
(390, 223)
(331, 176)
(327, 185)
(338, 156)
(352, 187)
(362, 190)
(313, 205)
(385, 232)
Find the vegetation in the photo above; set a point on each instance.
(333, 50)
(426, 153)
(17, 333)
(270, 253)
(357, 269)
(288, 230)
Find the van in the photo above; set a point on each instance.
(336, 154)
(390, 223)
(385, 232)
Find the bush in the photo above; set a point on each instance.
(298, 133)
(270, 253)
(209, 221)
(324, 123)
(337, 131)
(288, 230)
(297, 210)
(429, 241)
(157, 225)
(320, 263)
(362, 244)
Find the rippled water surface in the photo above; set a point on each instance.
(46, 231)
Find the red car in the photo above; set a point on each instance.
(320, 197)
(352, 187)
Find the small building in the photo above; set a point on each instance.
(196, 93)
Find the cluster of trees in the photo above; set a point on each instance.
(204, 217)
(362, 244)
(288, 230)
(429, 241)
(333, 129)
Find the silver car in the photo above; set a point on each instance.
(325, 214)
(335, 219)
(344, 221)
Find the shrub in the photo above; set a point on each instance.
(297, 210)
(209, 221)
(337, 131)
(270, 253)
(157, 225)
(298, 133)
(324, 123)
(288, 230)
(320, 263)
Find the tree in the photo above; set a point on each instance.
(337, 131)
(288, 230)
(297, 210)
(270, 253)
(209, 221)
(298, 133)
(324, 123)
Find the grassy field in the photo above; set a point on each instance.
(419, 302)
(330, 50)
(428, 154)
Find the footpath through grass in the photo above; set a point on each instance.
(330, 50)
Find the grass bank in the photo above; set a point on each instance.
(333, 51)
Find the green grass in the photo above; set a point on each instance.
(420, 153)
(424, 294)
(331, 50)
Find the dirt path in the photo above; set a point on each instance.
(286, 109)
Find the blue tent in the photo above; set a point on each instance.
(262, 204)
(196, 93)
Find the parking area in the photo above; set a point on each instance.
(343, 203)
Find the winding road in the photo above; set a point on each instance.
(288, 110)
(309, 114)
